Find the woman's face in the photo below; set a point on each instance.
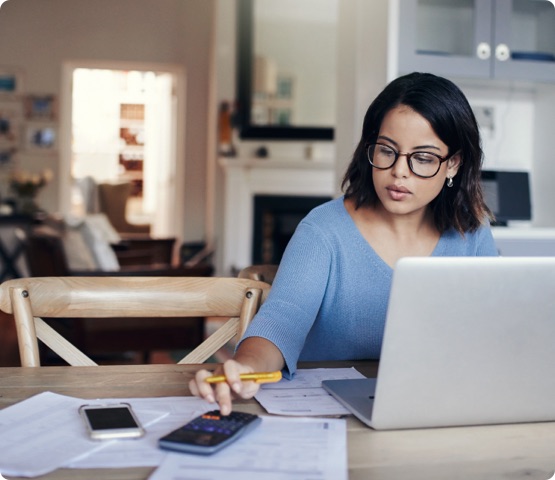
(400, 191)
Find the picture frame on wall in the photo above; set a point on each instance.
(10, 123)
(40, 107)
(41, 137)
(11, 81)
(7, 156)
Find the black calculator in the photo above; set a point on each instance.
(208, 433)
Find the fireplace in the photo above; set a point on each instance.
(293, 188)
(275, 220)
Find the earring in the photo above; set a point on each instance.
(449, 182)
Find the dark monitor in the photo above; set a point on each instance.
(507, 194)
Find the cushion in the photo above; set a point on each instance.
(100, 223)
(78, 254)
(88, 237)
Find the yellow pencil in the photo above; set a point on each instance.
(258, 377)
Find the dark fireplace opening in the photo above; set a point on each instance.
(275, 219)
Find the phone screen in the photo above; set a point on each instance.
(110, 417)
(111, 421)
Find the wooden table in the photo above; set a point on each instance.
(489, 452)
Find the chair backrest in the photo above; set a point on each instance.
(112, 199)
(28, 299)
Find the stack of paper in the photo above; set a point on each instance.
(46, 432)
(279, 449)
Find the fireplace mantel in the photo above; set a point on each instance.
(247, 177)
(275, 163)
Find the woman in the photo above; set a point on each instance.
(412, 189)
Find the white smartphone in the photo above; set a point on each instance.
(108, 421)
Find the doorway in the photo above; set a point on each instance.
(123, 121)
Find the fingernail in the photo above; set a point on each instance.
(236, 387)
(225, 410)
(210, 398)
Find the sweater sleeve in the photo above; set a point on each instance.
(290, 310)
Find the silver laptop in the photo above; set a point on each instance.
(468, 341)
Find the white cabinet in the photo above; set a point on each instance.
(501, 39)
(524, 32)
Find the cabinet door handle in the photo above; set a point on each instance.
(502, 52)
(483, 51)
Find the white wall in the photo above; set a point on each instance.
(39, 35)
(361, 73)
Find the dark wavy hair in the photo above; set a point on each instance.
(447, 110)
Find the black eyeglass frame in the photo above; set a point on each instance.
(409, 159)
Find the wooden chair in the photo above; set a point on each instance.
(29, 299)
(109, 338)
(262, 273)
(112, 198)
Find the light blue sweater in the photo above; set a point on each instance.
(329, 298)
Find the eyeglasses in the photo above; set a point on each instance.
(422, 164)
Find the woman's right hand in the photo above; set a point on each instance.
(254, 354)
(224, 392)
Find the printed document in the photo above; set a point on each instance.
(280, 448)
(304, 395)
(45, 432)
(144, 452)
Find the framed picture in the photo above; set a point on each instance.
(41, 137)
(11, 81)
(10, 123)
(6, 156)
(40, 107)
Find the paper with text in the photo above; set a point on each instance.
(144, 452)
(304, 395)
(44, 432)
(280, 448)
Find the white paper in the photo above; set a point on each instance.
(304, 395)
(44, 432)
(280, 448)
(144, 452)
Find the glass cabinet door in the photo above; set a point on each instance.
(525, 40)
(447, 37)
